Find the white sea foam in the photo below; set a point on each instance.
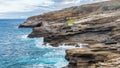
(66, 46)
(24, 36)
(40, 43)
(56, 54)
(78, 45)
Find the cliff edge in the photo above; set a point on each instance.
(91, 23)
(97, 25)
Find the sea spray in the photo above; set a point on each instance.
(52, 57)
(24, 36)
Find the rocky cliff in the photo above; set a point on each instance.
(92, 23)
(95, 56)
(97, 23)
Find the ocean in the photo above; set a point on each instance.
(18, 51)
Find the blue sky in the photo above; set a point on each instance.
(26, 8)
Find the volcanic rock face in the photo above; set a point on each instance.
(93, 23)
(97, 23)
(95, 56)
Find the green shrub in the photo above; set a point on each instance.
(69, 22)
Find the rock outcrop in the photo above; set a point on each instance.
(95, 56)
(92, 23)
(95, 24)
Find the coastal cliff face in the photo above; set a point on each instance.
(95, 56)
(93, 24)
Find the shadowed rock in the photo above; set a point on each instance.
(97, 25)
(93, 23)
(94, 56)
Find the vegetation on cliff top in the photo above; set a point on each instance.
(70, 22)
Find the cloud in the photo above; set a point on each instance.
(22, 5)
(66, 2)
(26, 8)
(75, 2)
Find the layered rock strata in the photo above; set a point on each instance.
(97, 25)
(93, 23)
(95, 56)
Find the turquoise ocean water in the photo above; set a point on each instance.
(18, 51)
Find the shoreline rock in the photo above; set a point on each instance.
(94, 56)
(92, 23)
(97, 23)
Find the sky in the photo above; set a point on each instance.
(26, 8)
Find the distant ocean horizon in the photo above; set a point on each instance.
(24, 15)
(18, 51)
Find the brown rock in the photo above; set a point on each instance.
(87, 57)
(93, 23)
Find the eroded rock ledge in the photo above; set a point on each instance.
(94, 56)
(93, 23)
(97, 23)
